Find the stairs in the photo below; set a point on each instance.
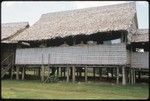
(6, 66)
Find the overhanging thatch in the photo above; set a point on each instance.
(10, 30)
(82, 21)
(142, 35)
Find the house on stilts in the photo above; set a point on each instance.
(8, 47)
(71, 42)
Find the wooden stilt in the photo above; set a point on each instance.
(112, 72)
(68, 74)
(123, 76)
(12, 69)
(139, 74)
(73, 74)
(42, 73)
(17, 73)
(134, 76)
(117, 75)
(64, 71)
(57, 71)
(129, 76)
(23, 73)
(94, 73)
(39, 71)
(85, 73)
(80, 73)
(61, 71)
(100, 72)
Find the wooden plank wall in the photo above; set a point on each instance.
(86, 54)
(140, 59)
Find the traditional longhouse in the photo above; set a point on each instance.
(83, 38)
(8, 48)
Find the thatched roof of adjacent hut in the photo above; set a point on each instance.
(142, 35)
(10, 30)
(81, 21)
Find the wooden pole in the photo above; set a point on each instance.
(23, 73)
(61, 71)
(132, 76)
(123, 76)
(112, 72)
(42, 68)
(85, 73)
(100, 72)
(57, 71)
(39, 70)
(73, 74)
(117, 75)
(42, 73)
(94, 73)
(64, 71)
(67, 74)
(17, 73)
(12, 69)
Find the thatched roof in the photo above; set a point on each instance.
(82, 21)
(141, 35)
(9, 30)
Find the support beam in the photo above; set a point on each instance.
(39, 71)
(73, 74)
(68, 74)
(42, 73)
(123, 76)
(61, 71)
(129, 76)
(23, 70)
(100, 72)
(94, 72)
(17, 73)
(139, 74)
(112, 72)
(117, 75)
(85, 73)
(64, 71)
(57, 71)
(132, 76)
(12, 69)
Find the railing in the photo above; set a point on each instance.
(6, 59)
(4, 69)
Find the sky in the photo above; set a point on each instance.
(29, 11)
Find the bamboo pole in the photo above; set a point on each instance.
(100, 72)
(123, 76)
(117, 75)
(67, 74)
(85, 73)
(23, 69)
(17, 73)
(12, 69)
(42, 68)
(73, 74)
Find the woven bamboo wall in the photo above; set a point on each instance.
(140, 60)
(96, 54)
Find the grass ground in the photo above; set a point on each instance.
(37, 90)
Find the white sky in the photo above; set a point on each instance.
(20, 11)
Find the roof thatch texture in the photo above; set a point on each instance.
(141, 35)
(82, 21)
(9, 30)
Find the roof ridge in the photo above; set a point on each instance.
(82, 9)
